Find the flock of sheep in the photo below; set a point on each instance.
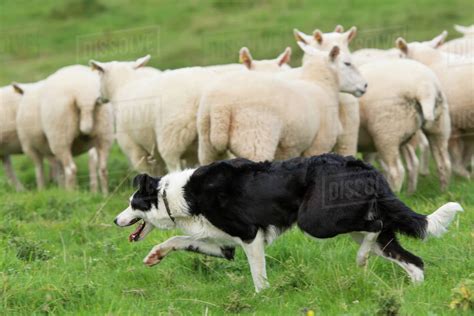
(384, 103)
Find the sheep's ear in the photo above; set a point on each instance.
(300, 36)
(17, 88)
(96, 65)
(140, 62)
(351, 34)
(463, 29)
(245, 57)
(285, 57)
(438, 40)
(318, 36)
(334, 53)
(402, 45)
(307, 49)
(339, 28)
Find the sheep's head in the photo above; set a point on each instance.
(326, 41)
(349, 78)
(421, 50)
(116, 73)
(270, 65)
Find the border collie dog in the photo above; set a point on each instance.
(238, 202)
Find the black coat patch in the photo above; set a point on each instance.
(325, 195)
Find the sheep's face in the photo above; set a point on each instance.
(350, 79)
(348, 76)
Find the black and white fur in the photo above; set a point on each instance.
(242, 203)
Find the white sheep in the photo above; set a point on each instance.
(349, 105)
(414, 165)
(62, 116)
(33, 141)
(463, 45)
(264, 117)
(403, 97)
(456, 75)
(9, 141)
(74, 120)
(156, 117)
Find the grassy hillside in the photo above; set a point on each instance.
(60, 252)
(38, 36)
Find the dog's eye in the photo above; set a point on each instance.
(348, 64)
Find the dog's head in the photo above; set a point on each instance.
(144, 206)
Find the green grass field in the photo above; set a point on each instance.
(61, 253)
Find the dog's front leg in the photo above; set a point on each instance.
(255, 253)
(189, 244)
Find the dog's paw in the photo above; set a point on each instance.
(362, 259)
(153, 258)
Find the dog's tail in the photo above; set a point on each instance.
(399, 217)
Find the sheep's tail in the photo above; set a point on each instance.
(220, 127)
(428, 96)
(400, 218)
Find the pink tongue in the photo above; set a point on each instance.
(134, 236)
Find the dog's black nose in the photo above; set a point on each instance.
(115, 221)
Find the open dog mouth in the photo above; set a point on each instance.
(137, 234)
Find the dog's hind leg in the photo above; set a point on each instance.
(255, 253)
(388, 247)
(187, 243)
(367, 243)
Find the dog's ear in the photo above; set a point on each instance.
(146, 183)
(138, 180)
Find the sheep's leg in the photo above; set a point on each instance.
(456, 151)
(391, 158)
(39, 169)
(70, 169)
(137, 155)
(53, 172)
(412, 162)
(424, 146)
(172, 161)
(93, 161)
(468, 155)
(12, 178)
(103, 156)
(439, 149)
(56, 169)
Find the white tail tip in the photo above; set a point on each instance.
(439, 221)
